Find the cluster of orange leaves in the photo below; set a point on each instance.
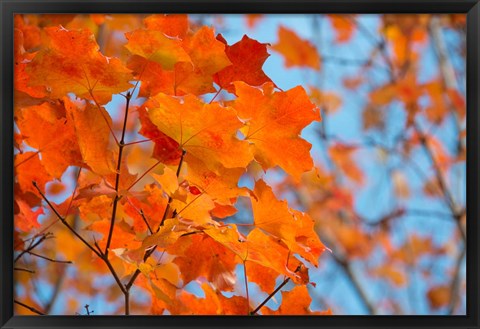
(199, 151)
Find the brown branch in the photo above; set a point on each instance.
(280, 286)
(146, 221)
(456, 282)
(151, 251)
(23, 270)
(32, 246)
(87, 309)
(114, 274)
(380, 45)
(441, 181)
(50, 259)
(347, 268)
(246, 285)
(104, 117)
(167, 209)
(30, 308)
(56, 291)
(63, 220)
(127, 302)
(98, 252)
(117, 174)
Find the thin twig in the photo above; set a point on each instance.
(50, 259)
(151, 251)
(355, 283)
(246, 285)
(32, 246)
(167, 209)
(456, 282)
(117, 174)
(63, 220)
(273, 293)
(33, 309)
(23, 270)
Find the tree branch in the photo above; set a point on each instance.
(23, 270)
(441, 181)
(30, 308)
(117, 174)
(151, 251)
(63, 220)
(456, 282)
(347, 268)
(280, 286)
(50, 259)
(33, 245)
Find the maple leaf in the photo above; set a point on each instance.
(295, 50)
(95, 209)
(439, 296)
(214, 303)
(123, 235)
(72, 63)
(166, 149)
(343, 26)
(93, 135)
(157, 47)
(172, 25)
(195, 208)
(199, 255)
(221, 187)
(168, 181)
(342, 157)
(247, 57)
(206, 131)
(207, 56)
(294, 227)
(151, 201)
(274, 123)
(26, 219)
(252, 249)
(38, 124)
(295, 302)
(329, 101)
(31, 32)
(28, 169)
(22, 58)
(264, 277)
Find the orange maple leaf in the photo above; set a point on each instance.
(247, 57)
(295, 50)
(274, 123)
(72, 63)
(206, 131)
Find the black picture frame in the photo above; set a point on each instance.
(10, 7)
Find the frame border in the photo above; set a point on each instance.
(9, 7)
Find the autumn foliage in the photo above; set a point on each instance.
(144, 153)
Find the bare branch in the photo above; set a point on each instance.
(63, 220)
(117, 174)
(33, 309)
